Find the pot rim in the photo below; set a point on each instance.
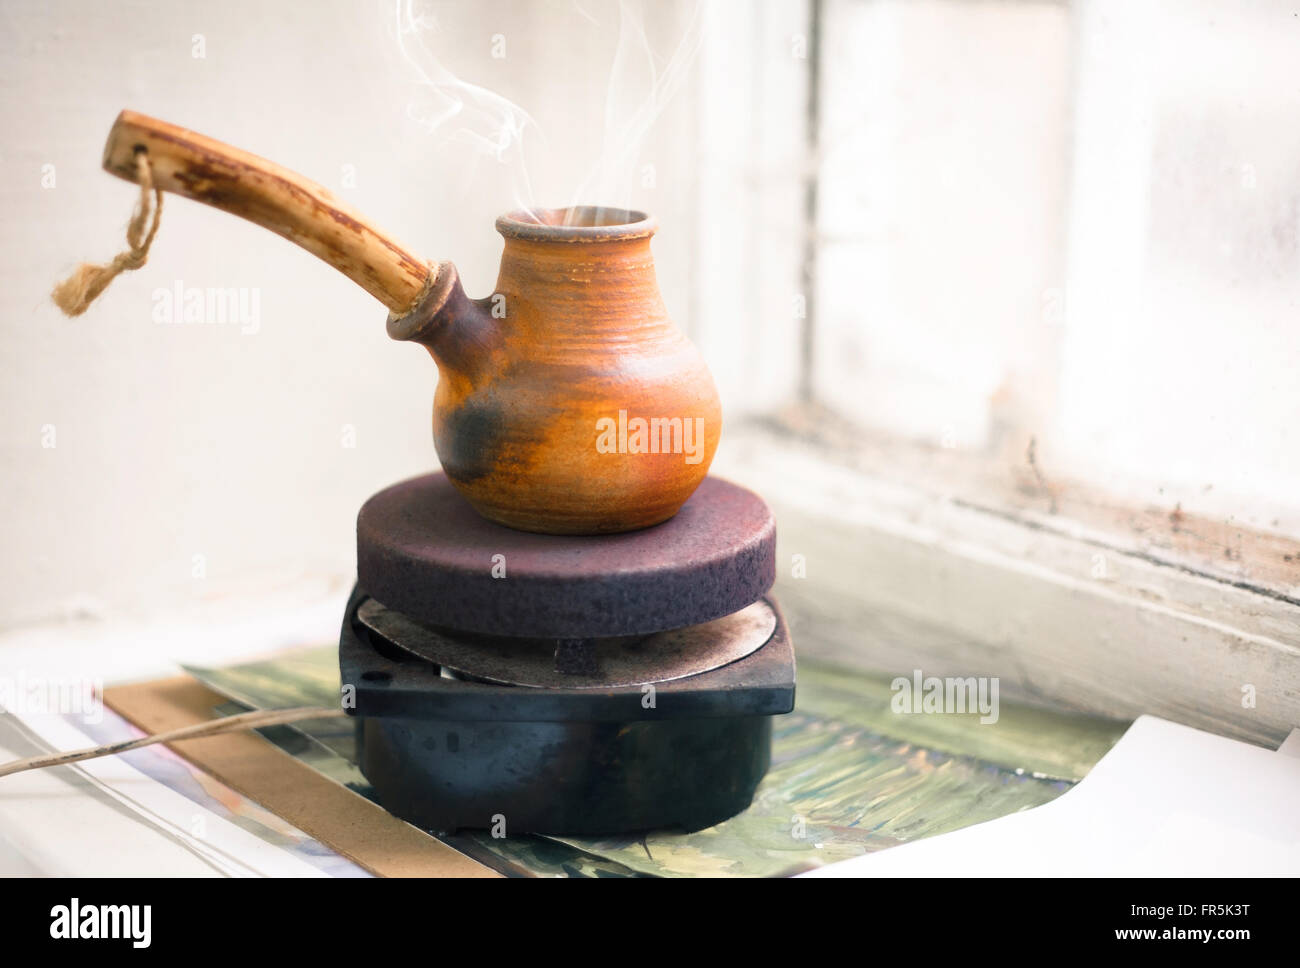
(594, 223)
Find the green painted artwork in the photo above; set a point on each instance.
(849, 775)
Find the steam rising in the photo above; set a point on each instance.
(455, 109)
(638, 87)
(634, 101)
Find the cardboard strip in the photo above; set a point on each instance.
(362, 831)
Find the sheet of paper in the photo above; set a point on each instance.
(1166, 800)
(147, 812)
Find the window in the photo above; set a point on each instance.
(1037, 290)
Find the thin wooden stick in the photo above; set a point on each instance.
(256, 719)
(236, 181)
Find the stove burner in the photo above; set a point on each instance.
(600, 685)
(580, 663)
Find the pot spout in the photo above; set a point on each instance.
(460, 333)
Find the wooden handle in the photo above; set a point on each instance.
(275, 198)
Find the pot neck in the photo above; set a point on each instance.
(581, 286)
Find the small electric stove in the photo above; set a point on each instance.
(560, 684)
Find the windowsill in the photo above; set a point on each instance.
(953, 564)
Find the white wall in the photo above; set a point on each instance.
(177, 441)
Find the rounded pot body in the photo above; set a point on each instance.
(568, 402)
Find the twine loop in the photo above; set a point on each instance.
(75, 294)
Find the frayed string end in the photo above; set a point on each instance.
(75, 294)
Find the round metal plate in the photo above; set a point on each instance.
(422, 550)
(660, 657)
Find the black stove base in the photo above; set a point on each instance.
(449, 753)
(577, 779)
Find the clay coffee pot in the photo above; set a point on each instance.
(567, 401)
